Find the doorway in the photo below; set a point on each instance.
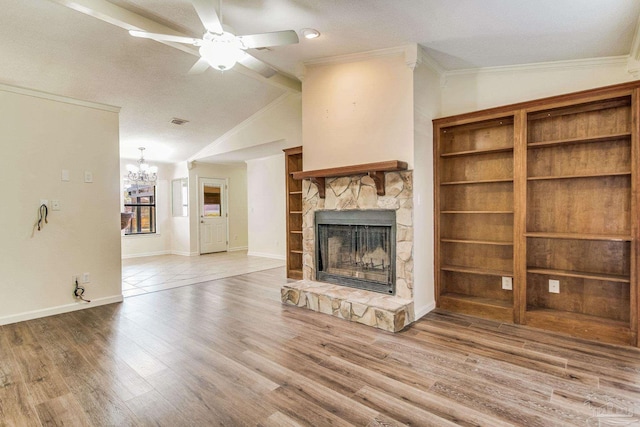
(213, 215)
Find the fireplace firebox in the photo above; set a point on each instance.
(356, 248)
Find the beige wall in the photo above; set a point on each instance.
(41, 136)
(180, 237)
(237, 180)
(426, 107)
(357, 112)
(471, 91)
(267, 206)
(280, 121)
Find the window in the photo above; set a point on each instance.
(141, 201)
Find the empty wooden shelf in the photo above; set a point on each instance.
(293, 163)
(538, 191)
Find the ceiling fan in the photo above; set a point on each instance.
(222, 49)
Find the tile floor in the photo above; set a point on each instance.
(157, 273)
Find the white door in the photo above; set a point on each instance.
(213, 215)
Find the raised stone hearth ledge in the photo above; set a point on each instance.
(386, 312)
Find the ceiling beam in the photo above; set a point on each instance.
(123, 18)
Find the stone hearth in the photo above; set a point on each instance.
(388, 312)
(369, 308)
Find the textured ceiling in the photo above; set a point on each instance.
(46, 46)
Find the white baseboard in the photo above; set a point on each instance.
(266, 255)
(419, 312)
(52, 311)
(181, 253)
(237, 249)
(141, 255)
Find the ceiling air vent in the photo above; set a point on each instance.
(179, 122)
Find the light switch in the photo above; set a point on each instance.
(65, 175)
(88, 176)
(507, 283)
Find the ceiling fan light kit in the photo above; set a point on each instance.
(222, 49)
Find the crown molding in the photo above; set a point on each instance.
(425, 59)
(634, 54)
(58, 98)
(538, 66)
(412, 54)
(633, 63)
(360, 56)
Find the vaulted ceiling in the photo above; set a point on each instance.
(50, 45)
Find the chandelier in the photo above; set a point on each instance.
(142, 174)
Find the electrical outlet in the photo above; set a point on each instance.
(86, 278)
(44, 202)
(554, 286)
(507, 283)
(55, 205)
(75, 279)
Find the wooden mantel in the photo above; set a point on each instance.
(374, 170)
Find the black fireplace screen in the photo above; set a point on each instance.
(357, 249)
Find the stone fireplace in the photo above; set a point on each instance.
(385, 300)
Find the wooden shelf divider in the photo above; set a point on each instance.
(591, 175)
(477, 242)
(579, 236)
(580, 274)
(585, 140)
(476, 270)
(479, 151)
(483, 181)
(478, 212)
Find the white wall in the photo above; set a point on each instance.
(43, 135)
(279, 121)
(357, 112)
(180, 237)
(160, 242)
(426, 95)
(237, 181)
(267, 206)
(476, 90)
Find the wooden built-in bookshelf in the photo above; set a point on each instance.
(293, 163)
(539, 191)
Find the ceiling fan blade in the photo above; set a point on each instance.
(199, 67)
(164, 37)
(208, 15)
(253, 63)
(277, 38)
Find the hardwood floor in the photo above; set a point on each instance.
(227, 352)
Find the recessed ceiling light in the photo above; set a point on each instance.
(309, 33)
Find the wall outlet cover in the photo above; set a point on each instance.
(554, 286)
(507, 283)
